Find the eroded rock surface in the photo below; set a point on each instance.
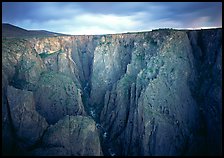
(71, 136)
(56, 96)
(150, 93)
(148, 99)
(28, 124)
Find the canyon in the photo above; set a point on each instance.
(133, 94)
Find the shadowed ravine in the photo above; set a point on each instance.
(147, 93)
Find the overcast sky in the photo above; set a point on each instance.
(111, 17)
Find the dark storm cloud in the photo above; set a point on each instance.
(38, 11)
(112, 17)
(188, 11)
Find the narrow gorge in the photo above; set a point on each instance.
(132, 94)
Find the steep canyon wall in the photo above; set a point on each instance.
(147, 93)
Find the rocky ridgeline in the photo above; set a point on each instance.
(150, 93)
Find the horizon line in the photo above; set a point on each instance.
(142, 31)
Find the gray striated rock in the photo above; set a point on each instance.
(7, 134)
(60, 61)
(109, 64)
(75, 54)
(56, 93)
(207, 49)
(157, 104)
(12, 50)
(50, 60)
(27, 123)
(151, 93)
(28, 71)
(71, 136)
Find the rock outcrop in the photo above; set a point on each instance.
(27, 124)
(56, 96)
(207, 88)
(71, 136)
(149, 93)
(148, 99)
(28, 70)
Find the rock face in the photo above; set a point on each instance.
(57, 94)
(207, 51)
(111, 57)
(72, 135)
(27, 123)
(148, 99)
(28, 71)
(149, 93)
